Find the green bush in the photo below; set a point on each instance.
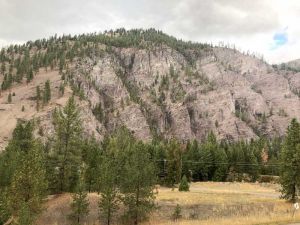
(184, 185)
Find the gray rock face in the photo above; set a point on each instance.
(159, 92)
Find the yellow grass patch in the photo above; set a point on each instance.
(207, 203)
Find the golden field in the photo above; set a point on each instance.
(206, 203)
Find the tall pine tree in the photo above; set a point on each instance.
(290, 163)
(108, 182)
(80, 203)
(137, 183)
(67, 151)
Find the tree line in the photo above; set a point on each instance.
(124, 171)
(19, 62)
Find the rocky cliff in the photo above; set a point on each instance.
(161, 90)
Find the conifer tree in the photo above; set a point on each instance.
(220, 161)
(47, 92)
(3, 68)
(174, 163)
(4, 212)
(108, 182)
(67, 151)
(91, 154)
(28, 186)
(29, 75)
(184, 185)
(177, 213)
(290, 163)
(9, 98)
(110, 195)
(38, 97)
(61, 63)
(137, 183)
(80, 203)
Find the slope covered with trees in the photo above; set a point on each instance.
(171, 87)
(118, 112)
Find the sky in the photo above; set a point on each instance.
(266, 27)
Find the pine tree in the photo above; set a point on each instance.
(184, 185)
(38, 97)
(21, 142)
(290, 163)
(252, 168)
(61, 63)
(47, 92)
(3, 68)
(80, 203)
(62, 89)
(9, 98)
(4, 212)
(29, 76)
(91, 154)
(137, 183)
(174, 163)
(220, 161)
(67, 125)
(177, 213)
(28, 185)
(108, 182)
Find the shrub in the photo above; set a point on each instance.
(177, 213)
(184, 185)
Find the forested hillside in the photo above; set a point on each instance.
(119, 112)
(155, 85)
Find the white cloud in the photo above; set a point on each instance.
(250, 25)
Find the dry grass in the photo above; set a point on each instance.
(206, 203)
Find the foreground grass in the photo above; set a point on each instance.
(207, 203)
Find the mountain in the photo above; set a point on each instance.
(152, 83)
(292, 65)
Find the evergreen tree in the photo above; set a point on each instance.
(67, 152)
(192, 153)
(47, 92)
(4, 212)
(21, 142)
(28, 185)
(184, 185)
(38, 97)
(61, 63)
(137, 183)
(252, 167)
(3, 68)
(62, 89)
(221, 167)
(177, 213)
(108, 182)
(98, 112)
(80, 203)
(290, 163)
(174, 163)
(91, 154)
(9, 98)
(29, 76)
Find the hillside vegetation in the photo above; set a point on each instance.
(121, 112)
(152, 83)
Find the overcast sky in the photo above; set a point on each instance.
(269, 27)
